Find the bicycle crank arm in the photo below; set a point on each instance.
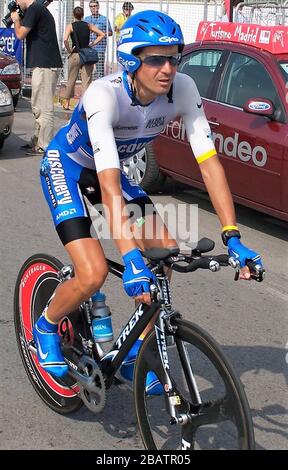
(72, 367)
(86, 381)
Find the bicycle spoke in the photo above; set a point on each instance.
(211, 413)
(210, 409)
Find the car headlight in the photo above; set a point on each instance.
(12, 69)
(5, 97)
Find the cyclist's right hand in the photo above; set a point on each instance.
(137, 276)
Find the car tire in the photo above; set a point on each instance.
(144, 170)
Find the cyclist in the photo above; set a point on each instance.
(117, 115)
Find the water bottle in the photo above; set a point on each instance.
(101, 319)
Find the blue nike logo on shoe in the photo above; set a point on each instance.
(49, 352)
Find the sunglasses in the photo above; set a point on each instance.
(160, 60)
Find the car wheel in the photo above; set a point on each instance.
(144, 170)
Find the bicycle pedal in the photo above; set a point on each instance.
(117, 381)
(32, 346)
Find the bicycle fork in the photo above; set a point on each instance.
(173, 400)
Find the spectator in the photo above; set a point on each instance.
(101, 22)
(225, 11)
(120, 19)
(79, 32)
(43, 57)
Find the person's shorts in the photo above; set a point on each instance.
(65, 183)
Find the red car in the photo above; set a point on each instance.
(10, 74)
(242, 75)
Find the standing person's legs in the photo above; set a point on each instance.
(86, 76)
(36, 102)
(46, 119)
(44, 83)
(73, 70)
(99, 66)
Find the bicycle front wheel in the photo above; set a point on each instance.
(208, 393)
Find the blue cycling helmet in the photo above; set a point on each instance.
(147, 28)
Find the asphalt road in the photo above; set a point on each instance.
(250, 320)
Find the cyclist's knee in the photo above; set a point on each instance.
(91, 280)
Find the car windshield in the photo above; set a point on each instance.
(284, 69)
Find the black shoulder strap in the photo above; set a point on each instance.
(75, 37)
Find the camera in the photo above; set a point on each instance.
(12, 6)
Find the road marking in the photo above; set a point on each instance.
(277, 293)
(4, 170)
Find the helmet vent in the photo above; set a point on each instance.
(162, 19)
(144, 21)
(173, 32)
(157, 31)
(140, 26)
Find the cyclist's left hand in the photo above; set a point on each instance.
(241, 253)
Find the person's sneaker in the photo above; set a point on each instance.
(153, 386)
(34, 152)
(126, 371)
(26, 146)
(49, 352)
(31, 144)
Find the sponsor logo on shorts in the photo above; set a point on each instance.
(56, 181)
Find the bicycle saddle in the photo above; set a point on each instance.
(160, 254)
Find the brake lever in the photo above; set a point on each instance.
(257, 271)
(234, 263)
(154, 292)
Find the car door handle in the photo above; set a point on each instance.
(213, 123)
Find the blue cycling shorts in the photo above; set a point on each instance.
(65, 183)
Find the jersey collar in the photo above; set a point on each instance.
(131, 94)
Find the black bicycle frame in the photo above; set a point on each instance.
(129, 334)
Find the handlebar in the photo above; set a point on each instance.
(196, 260)
(214, 263)
(256, 270)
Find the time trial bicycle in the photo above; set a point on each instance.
(203, 404)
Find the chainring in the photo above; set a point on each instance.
(92, 387)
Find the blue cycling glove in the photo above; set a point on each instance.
(136, 276)
(241, 252)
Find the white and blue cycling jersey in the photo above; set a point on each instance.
(106, 127)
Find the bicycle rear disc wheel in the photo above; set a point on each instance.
(36, 282)
(220, 419)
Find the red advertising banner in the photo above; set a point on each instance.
(270, 38)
